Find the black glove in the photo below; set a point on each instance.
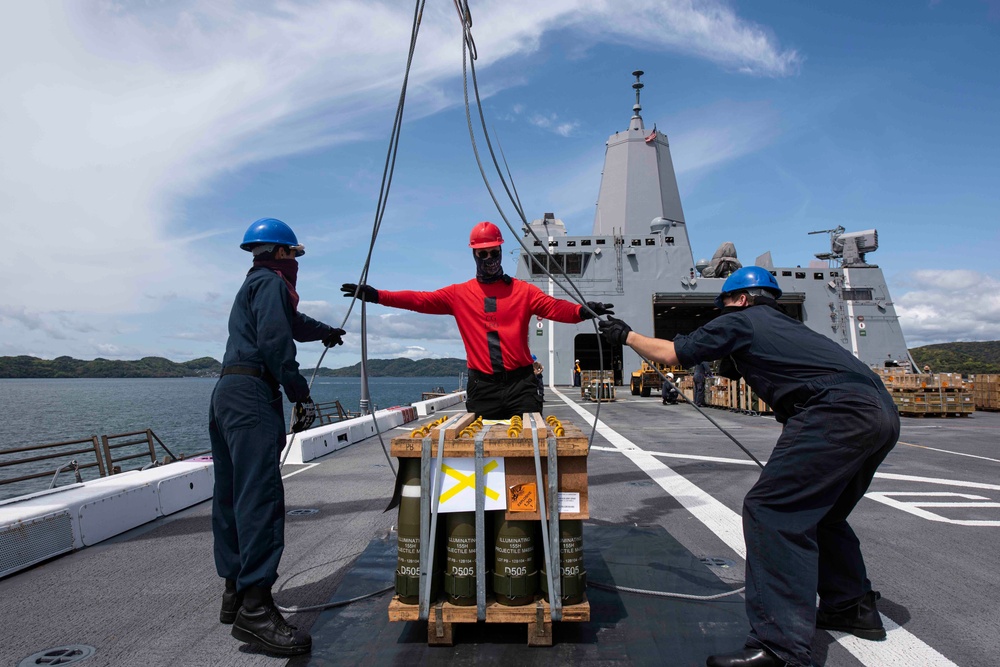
(366, 293)
(615, 330)
(305, 414)
(598, 308)
(334, 337)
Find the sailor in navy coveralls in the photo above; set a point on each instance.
(247, 430)
(839, 424)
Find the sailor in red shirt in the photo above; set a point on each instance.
(493, 312)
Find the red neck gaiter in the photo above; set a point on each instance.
(288, 269)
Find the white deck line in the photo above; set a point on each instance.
(901, 647)
(947, 451)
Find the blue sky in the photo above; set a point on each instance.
(140, 140)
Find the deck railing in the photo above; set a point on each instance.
(94, 449)
(109, 451)
(333, 411)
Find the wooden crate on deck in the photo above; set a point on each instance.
(519, 467)
(986, 391)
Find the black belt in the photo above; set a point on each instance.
(243, 370)
(504, 376)
(808, 390)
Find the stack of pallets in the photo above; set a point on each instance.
(929, 394)
(986, 391)
(734, 395)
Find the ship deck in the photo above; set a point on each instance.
(666, 489)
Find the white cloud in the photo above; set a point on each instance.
(703, 138)
(945, 306)
(115, 114)
(552, 123)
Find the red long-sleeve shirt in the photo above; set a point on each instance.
(492, 318)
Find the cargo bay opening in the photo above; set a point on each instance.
(673, 314)
(585, 349)
(682, 313)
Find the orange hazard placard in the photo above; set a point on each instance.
(522, 498)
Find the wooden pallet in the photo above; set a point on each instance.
(443, 616)
(934, 414)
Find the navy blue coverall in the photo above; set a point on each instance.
(839, 424)
(246, 425)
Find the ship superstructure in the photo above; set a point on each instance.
(638, 256)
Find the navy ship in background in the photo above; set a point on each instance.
(639, 257)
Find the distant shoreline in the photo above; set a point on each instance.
(29, 368)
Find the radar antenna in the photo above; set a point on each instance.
(638, 85)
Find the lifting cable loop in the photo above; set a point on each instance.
(387, 173)
(468, 49)
(576, 294)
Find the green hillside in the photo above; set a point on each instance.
(67, 367)
(965, 358)
(158, 367)
(401, 368)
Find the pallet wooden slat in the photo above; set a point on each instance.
(442, 633)
(495, 612)
(495, 443)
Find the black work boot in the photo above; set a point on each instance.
(231, 603)
(259, 622)
(748, 656)
(860, 619)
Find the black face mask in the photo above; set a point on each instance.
(489, 269)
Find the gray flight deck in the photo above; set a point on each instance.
(665, 495)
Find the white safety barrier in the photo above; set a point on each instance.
(41, 525)
(430, 406)
(316, 442)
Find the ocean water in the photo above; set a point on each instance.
(36, 412)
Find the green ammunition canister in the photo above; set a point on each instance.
(574, 577)
(408, 536)
(515, 576)
(460, 558)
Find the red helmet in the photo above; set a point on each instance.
(485, 235)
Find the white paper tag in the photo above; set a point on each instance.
(458, 484)
(569, 503)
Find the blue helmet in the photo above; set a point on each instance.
(534, 358)
(271, 230)
(747, 278)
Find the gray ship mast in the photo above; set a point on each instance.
(638, 185)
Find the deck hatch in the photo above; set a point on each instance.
(59, 655)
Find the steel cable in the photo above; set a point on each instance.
(387, 173)
(468, 64)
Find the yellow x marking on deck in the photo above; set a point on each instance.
(467, 482)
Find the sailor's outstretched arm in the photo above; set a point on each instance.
(654, 349)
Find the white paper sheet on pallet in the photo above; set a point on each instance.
(458, 484)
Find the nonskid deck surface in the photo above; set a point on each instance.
(624, 629)
(151, 596)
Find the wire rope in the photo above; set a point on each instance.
(383, 198)
(468, 65)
